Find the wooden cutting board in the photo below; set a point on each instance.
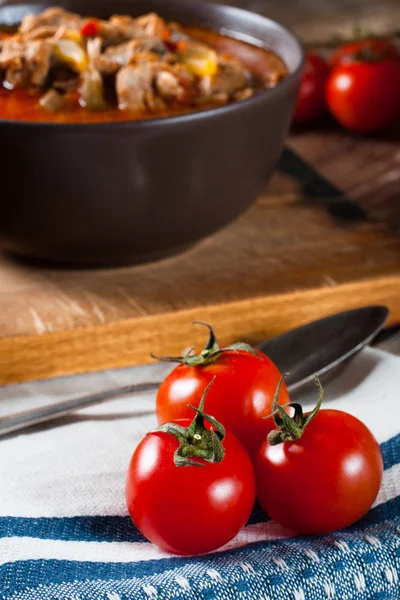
(301, 252)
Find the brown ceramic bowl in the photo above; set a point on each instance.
(120, 193)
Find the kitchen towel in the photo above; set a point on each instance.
(65, 533)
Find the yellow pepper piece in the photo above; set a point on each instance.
(200, 60)
(72, 34)
(71, 53)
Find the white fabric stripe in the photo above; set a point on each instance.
(76, 469)
(14, 549)
(390, 487)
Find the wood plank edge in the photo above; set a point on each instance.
(129, 342)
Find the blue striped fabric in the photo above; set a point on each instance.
(362, 561)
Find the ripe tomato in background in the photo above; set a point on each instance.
(192, 508)
(326, 479)
(240, 398)
(364, 49)
(311, 101)
(364, 96)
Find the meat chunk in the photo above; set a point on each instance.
(134, 85)
(42, 32)
(10, 49)
(26, 63)
(273, 78)
(119, 56)
(175, 82)
(119, 29)
(147, 85)
(17, 75)
(52, 101)
(168, 85)
(230, 78)
(51, 17)
(151, 24)
(244, 94)
(38, 59)
(115, 57)
(116, 30)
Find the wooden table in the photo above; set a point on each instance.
(288, 260)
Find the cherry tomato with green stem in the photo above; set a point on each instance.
(366, 48)
(318, 472)
(240, 398)
(190, 485)
(364, 96)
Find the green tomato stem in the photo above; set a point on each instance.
(290, 429)
(210, 353)
(196, 441)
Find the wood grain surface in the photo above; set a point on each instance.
(286, 261)
(291, 258)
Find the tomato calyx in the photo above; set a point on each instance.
(196, 441)
(290, 429)
(368, 54)
(210, 353)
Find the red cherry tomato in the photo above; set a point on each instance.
(366, 48)
(311, 101)
(365, 96)
(196, 507)
(240, 398)
(323, 481)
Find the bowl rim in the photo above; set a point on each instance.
(196, 115)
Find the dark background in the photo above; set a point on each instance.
(320, 20)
